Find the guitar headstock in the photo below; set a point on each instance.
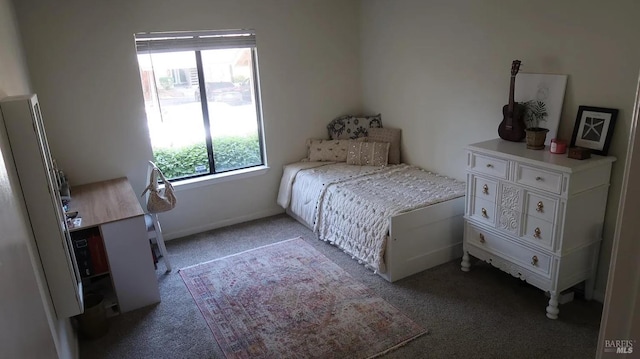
(515, 67)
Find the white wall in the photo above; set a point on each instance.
(26, 320)
(440, 71)
(83, 66)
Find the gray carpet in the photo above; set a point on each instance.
(481, 314)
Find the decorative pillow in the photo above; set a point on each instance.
(391, 135)
(350, 126)
(325, 146)
(327, 150)
(368, 153)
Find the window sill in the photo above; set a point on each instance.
(219, 178)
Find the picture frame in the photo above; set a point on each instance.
(594, 129)
(546, 90)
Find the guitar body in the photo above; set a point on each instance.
(512, 126)
(516, 133)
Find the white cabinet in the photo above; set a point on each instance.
(130, 263)
(535, 215)
(39, 186)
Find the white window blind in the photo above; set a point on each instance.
(156, 42)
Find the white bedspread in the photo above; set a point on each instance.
(302, 186)
(350, 206)
(288, 176)
(354, 214)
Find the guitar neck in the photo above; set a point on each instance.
(511, 90)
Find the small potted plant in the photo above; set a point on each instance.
(535, 113)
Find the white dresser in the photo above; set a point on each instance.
(535, 215)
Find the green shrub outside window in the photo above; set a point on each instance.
(229, 153)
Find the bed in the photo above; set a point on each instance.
(394, 218)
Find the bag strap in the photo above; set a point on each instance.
(153, 181)
(167, 184)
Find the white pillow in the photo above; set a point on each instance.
(368, 153)
(391, 135)
(327, 150)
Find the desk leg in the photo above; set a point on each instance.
(160, 240)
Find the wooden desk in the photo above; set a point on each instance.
(111, 210)
(103, 202)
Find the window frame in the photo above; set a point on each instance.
(148, 43)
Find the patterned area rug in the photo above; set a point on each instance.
(287, 300)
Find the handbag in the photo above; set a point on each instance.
(159, 200)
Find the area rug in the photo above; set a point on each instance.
(287, 300)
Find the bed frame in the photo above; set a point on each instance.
(421, 239)
(424, 238)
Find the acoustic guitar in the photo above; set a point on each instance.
(512, 126)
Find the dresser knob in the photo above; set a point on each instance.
(540, 206)
(489, 165)
(534, 260)
(484, 213)
(481, 238)
(539, 178)
(485, 189)
(536, 232)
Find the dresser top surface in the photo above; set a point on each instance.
(518, 151)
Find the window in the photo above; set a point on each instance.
(202, 101)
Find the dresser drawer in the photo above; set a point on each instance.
(489, 165)
(535, 261)
(538, 232)
(483, 211)
(484, 188)
(539, 178)
(541, 207)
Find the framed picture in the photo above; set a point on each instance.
(594, 128)
(543, 95)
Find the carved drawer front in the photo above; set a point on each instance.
(508, 220)
(511, 196)
(541, 207)
(489, 165)
(483, 211)
(538, 232)
(539, 178)
(485, 189)
(532, 260)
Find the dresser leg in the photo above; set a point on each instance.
(589, 285)
(465, 264)
(552, 308)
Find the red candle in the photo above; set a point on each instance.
(558, 146)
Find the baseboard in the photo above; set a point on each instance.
(214, 225)
(564, 297)
(598, 296)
